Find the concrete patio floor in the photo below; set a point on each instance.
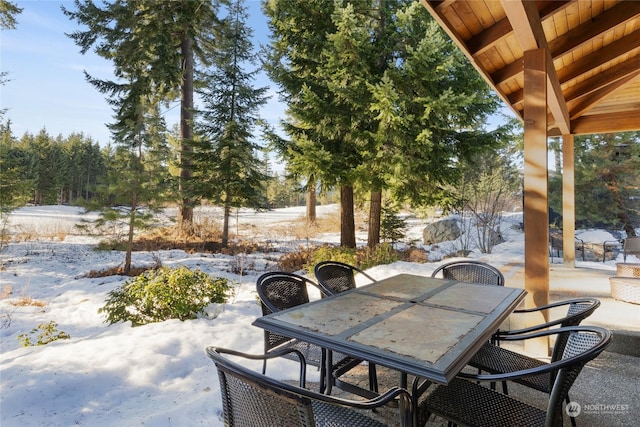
(608, 388)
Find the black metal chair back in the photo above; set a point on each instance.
(335, 277)
(278, 291)
(581, 344)
(470, 271)
(250, 399)
(465, 402)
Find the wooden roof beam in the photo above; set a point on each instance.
(623, 46)
(602, 123)
(608, 76)
(585, 87)
(484, 40)
(585, 64)
(525, 20)
(606, 21)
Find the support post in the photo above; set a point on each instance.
(568, 202)
(536, 200)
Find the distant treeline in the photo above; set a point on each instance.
(44, 170)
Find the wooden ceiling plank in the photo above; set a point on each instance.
(483, 14)
(588, 102)
(525, 20)
(467, 16)
(600, 57)
(618, 15)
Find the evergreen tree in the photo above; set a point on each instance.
(46, 167)
(85, 165)
(14, 183)
(386, 101)
(136, 186)
(12, 189)
(230, 171)
(8, 13)
(607, 173)
(315, 150)
(158, 44)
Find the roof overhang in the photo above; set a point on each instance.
(592, 46)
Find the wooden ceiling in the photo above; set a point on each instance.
(594, 46)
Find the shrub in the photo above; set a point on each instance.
(294, 261)
(48, 333)
(381, 254)
(165, 293)
(363, 257)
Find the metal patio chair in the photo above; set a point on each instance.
(251, 399)
(496, 360)
(470, 271)
(630, 246)
(466, 403)
(281, 290)
(335, 277)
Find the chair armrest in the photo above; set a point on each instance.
(381, 400)
(548, 367)
(364, 274)
(595, 304)
(269, 355)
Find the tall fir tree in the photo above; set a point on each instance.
(230, 170)
(384, 99)
(159, 44)
(11, 188)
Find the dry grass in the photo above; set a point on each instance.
(27, 302)
(303, 229)
(54, 233)
(119, 271)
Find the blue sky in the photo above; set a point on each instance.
(47, 88)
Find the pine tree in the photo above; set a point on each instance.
(229, 166)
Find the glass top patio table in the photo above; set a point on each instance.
(418, 325)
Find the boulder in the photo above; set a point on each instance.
(441, 231)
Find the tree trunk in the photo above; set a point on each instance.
(225, 225)
(347, 219)
(311, 202)
(185, 216)
(613, 187)
(132, 220)
(375, 211)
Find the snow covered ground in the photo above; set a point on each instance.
(152, 375)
